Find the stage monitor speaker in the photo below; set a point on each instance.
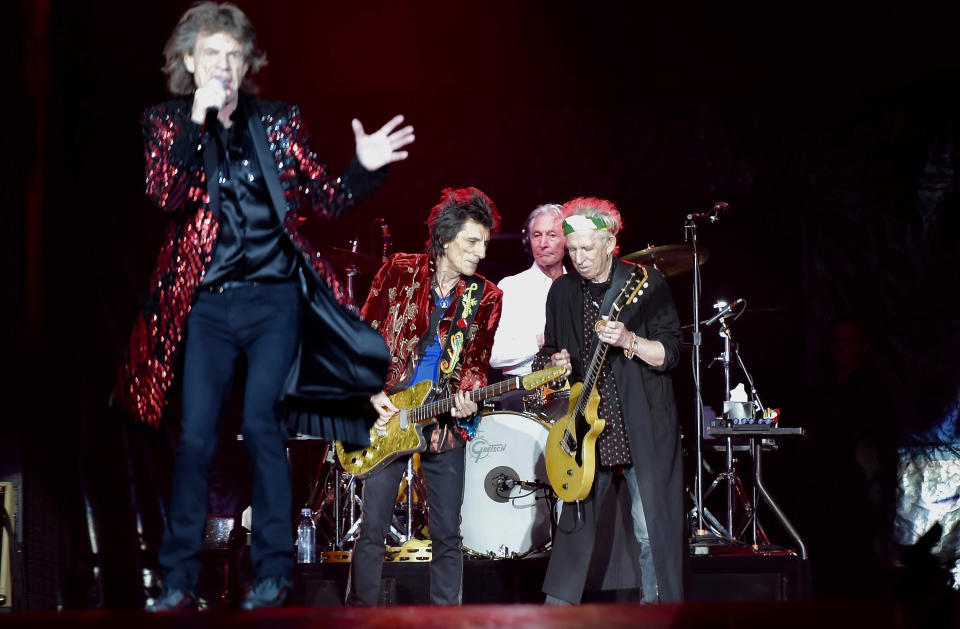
(7, 545)
(783, 577)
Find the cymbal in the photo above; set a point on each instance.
(670, 260)
(344, 259)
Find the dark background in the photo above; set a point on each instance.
(831, 130)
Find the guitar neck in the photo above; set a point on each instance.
(439, 407)
(636, 281)
(592, 375)
(596, 363)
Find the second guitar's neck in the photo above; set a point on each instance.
(431, 410)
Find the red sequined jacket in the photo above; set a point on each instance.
(398, 305)
(176, 181)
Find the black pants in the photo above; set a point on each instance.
(576, 534)
(444, 476)
(262, 323)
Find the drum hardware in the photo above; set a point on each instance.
(546, 403)
(384, 238)
(335, 556)
(352, 262)
(325, 497)
(332, 498)
(412, 484)
(351, 259)
(413, 550)
(507, 509)
(336, 503)
(353, 504)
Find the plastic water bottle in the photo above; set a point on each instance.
(306, 538)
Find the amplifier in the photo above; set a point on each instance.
(6, 545)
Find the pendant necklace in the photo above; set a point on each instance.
(443, 301)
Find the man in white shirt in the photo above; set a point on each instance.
(520, 334)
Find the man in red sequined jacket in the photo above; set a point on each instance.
(235, 279)
(422, 304)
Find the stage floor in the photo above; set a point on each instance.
(592, 616)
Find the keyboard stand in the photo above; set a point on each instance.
(756, 433)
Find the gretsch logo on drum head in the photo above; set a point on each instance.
(480, 448)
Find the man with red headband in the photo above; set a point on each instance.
(639, 447)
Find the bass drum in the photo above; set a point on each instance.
(501, 520)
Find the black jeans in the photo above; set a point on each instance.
(444, 475)
(262, 323)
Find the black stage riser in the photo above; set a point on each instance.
(736, 578)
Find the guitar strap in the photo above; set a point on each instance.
(459, 327)
(620, 275)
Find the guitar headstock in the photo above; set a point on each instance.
(631, 291)
(542, 377)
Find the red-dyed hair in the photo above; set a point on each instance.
(596, 208)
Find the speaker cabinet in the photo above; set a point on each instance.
(7, 545)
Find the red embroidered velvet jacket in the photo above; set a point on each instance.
(176, 182)
(398, 306)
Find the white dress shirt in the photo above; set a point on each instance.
(521, 320)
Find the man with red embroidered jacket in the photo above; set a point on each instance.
(421, 304)
(232, 279)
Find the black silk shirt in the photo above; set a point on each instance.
(251, 244)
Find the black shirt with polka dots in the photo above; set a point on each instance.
(613, 447)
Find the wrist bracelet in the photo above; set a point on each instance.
(629, 352)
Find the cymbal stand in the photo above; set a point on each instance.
(352, 271)
(353, 501)
(410, 475)
(404, 531)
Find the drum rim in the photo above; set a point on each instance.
(529, 416)
(547, 545)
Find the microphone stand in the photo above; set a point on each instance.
(690, 233)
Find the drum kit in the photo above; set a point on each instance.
(508, 507)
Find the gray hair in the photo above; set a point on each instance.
(553, 208)
(209, 17)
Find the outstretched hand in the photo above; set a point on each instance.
(380, 148)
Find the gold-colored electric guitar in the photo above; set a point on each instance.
(571, 445)
(404, 431)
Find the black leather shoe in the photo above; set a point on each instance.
(269, 592)
(173, 601)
